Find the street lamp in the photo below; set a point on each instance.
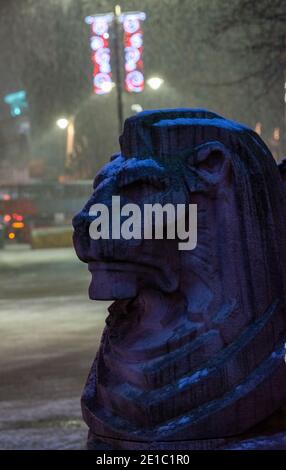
(62, 123)
(67, 125)
(130, 24)
(137, 108)
(155, 83)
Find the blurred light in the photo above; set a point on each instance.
(117, 10)
(89, 20)
(131, 24)
(137, 108)
(99, 43)
(276, 133)
(96, 43)
(106, 68)
(17, 96)
(6, 197)
(11, 235)
(107, 86)
(16, 111)
(7, 218)
(139, 15)
(258, 128)
(62, 123)
(102, 56)
(136, 40)
(18, 225)
(133, 51)
(135, 81)
(155, 82)
(17, 217)
(132, 54)
(17, 102)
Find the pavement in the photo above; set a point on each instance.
(50, 332)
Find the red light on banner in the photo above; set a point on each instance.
(99, 43)
(133, 49)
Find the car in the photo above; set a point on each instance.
(16, 228)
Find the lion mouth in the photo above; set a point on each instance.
(117, 279)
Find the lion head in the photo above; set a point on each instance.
(194, 337)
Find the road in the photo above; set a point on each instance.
(50, 332)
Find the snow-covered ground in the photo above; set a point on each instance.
(50, 332)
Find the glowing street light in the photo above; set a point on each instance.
(62, 123)
(17, 102)
(137, 108)
(68, 125)
(155, 83)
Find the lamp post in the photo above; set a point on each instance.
(67, 125)
(126, 26)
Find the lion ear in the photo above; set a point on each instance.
(212, 160)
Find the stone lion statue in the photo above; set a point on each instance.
(192, 354)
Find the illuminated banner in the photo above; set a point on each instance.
(99, 43)
(133, 49)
